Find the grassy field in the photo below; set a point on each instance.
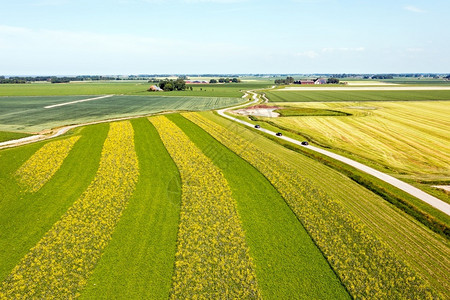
(125, 88)
(355, 96)
(27, 114)
(8, 135)
(408, 139)
(286, 111)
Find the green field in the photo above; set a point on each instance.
(27, 114)
(355, 96)
(286, 111)
(7, 135)
(126, 88)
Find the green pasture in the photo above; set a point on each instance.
(336, 96)
(27, 114)
(408, 238)
(126, 88)
(7, 135)
(286, 111)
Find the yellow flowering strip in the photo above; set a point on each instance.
(367, 268)
(59, 265)
(43, 164)
(212, 259)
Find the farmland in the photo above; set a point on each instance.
(7, 135)
(346, 95)
(125, 88)
(190, 203)
(274, 233)
(409, 139)
(28, 114)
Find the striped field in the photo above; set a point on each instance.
(195, 206)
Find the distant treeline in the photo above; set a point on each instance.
(53, 79)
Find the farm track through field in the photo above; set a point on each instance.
(364, 264)
(425, 197)
(427, 252)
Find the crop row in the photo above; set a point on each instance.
(43, 164)
(59, 265)
(365, 265)
(212, 259)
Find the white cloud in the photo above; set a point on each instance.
(414, 9)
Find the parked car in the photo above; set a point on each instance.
(278, 134)
(305, 143)
(257, 126)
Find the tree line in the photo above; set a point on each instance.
(172, 85)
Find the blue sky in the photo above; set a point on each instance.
(65, 37)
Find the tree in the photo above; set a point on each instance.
(168, 86)
(332, 80)
(213, 81)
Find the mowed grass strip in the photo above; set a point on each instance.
(425, 251)
(212, 259)
(326, 96)
(138, 262)
(288, 263)
(364, 264)
(58, 266)
(43, 164)
(26, 217)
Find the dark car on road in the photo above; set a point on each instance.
(305, 143)
(278, 134)
(257, 126)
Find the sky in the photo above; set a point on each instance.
(87, 37)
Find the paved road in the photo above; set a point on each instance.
(433, 201)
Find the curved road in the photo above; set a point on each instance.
(431, 200)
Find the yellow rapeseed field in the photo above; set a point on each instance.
(212, 258)
(367, 268)
(59, 265)
(43, 164)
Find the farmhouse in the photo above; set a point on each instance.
(320, 81)
(304, 82)
(154, 88)
(310, 81)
